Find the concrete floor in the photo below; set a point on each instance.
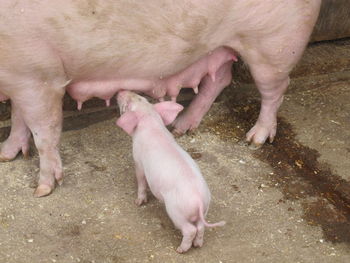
(286, 202)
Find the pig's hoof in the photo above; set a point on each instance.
(140, 201)
(9, 153)
(254, 146)
(180, 250)
(42, 190)
(59, 181)
(26, 155)
(177, 133)
(198, 243)
(182, 125)
(5, 159)
(259, 134)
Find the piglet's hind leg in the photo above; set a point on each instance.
(199, 239)
(180, 220)
(189, 232)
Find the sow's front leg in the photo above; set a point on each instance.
(41, 109)
(18, 139)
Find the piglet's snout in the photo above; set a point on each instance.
(123, 99)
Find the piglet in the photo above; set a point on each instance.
(172, 175)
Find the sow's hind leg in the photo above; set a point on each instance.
(270, 66)
(270, 61)
(208, 92)
(271, 86)
(40, 105)
(18, 139)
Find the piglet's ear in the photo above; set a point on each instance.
(168, 110)
(128, 122)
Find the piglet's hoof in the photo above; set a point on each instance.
(180, 250)
(140, 201)
(42, 190)
(198, 243)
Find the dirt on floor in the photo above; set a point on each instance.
(288, 201)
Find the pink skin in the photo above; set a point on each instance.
(169, 171)
(159, 87)
(18, 139)
(96, 48)
(200, 105)
(3, 97)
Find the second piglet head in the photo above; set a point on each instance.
(134, 108)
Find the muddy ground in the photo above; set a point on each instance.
(286, 202)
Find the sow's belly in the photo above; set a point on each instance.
(158, 86)
(155, 48)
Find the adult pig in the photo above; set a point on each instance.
(97, 47)
(171, 174)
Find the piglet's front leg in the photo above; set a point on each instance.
(141, 186)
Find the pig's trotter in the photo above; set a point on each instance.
(270, 69)
(208, 92)
(271, 98)
(189, 232)
(199, 239)
(18, 139)
(42, 113)
(42, 190)
(141, 200)
(141, 186)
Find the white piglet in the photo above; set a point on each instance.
(172, 175)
